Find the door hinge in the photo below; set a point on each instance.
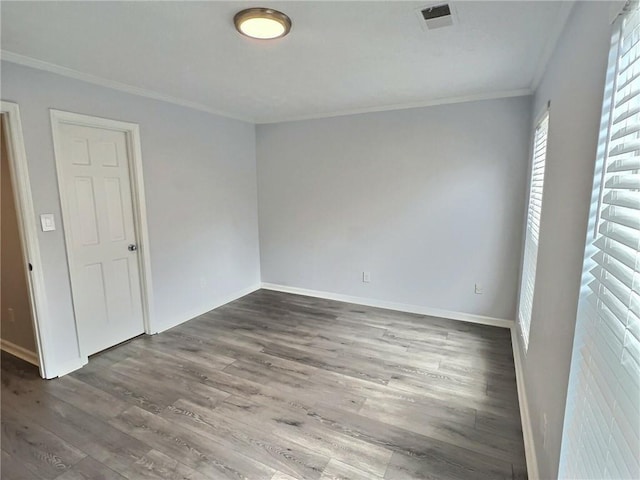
(30, 267)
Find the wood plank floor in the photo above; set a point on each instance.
(275, 386)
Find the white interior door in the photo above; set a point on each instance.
(101, 239)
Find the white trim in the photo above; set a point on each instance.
(196, 313)
(142, 92)
(132, 132)
(27, 226)
(71, 366)
(20, 352)
(399, 307)
(527, 432)
(112, 84)
(142, 228)
(552, 41)
(523, 92)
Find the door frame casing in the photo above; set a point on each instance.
(28, 232)
(134, 151)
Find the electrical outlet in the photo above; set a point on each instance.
(479, 289)
(366, 277)
(12, 316)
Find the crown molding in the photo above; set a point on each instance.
(523, 92)
(112, 84)
(142, 92)
(552, 41)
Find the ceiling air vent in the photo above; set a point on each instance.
(437, 16)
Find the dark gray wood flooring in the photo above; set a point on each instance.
(275, 386)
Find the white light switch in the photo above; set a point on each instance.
(47, 221)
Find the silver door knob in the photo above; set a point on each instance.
(133, 247)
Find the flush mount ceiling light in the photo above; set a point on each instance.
(262, 23)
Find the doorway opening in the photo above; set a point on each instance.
(21, 285)
(16, 327)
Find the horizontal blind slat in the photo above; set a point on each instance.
(629, 96)
(622, 235)
(630, 181)
(627, 217)
(625, 147)
(623, 198)
(628, 130)
(607, 264)
(616, 287)
(624, 164)
(624, 115)
(617, 250)
(628, 80)
(608, 299)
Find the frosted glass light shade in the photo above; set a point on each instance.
(262, 23)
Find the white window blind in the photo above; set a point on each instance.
(602, 420)
(533, 227)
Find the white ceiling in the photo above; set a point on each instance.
(340, 57)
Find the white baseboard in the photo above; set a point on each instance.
(399, 307)
(20, 352)
(196, 313)
(527, 432)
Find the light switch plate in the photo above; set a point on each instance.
(48, 222)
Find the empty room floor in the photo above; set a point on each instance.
(275, 386)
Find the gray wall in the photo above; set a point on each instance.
(200, 181)
(16, 327)
(574, 82)
(429, 200)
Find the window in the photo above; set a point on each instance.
(533, 227)
(602, 419)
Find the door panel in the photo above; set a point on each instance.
(115, 217)
(98, 215)
(87, 220)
